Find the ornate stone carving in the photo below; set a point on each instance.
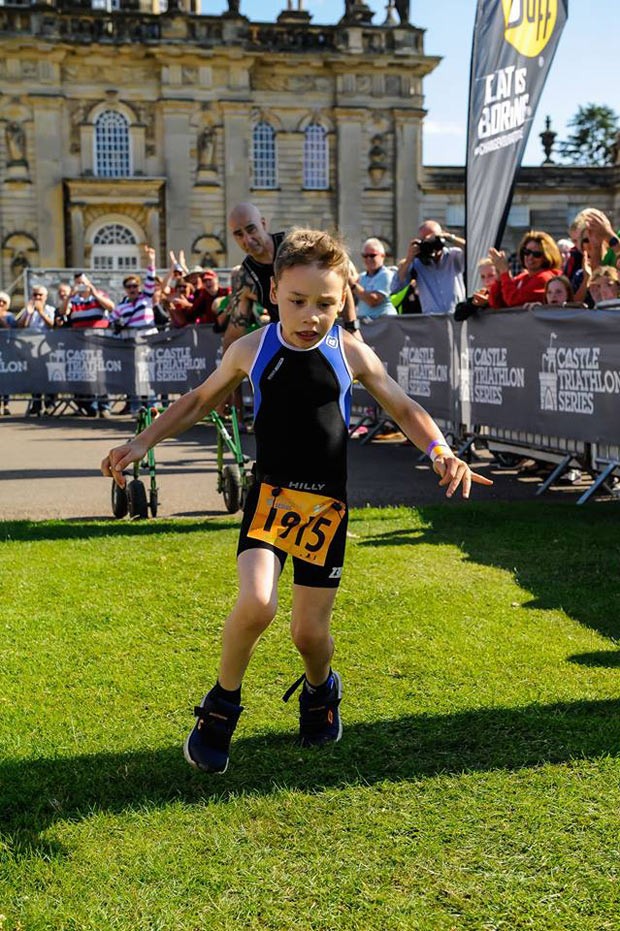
(15, 144)
(206, 149)
(17, 168)
(377, 159)
(77, 117)
(206, 155)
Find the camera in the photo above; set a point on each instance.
(430, 247)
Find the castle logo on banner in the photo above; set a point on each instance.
(486, 372)
(417, 369)
(572, 376)
(79, 365)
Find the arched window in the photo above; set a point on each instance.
(316, 158)
(115, 249)
(264, 155)
(112, 150)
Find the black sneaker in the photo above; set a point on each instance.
(208, 745)
(319, 714)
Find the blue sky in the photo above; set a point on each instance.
(584, 70)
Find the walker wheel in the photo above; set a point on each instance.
(136, 497)
(231, 488)
(120, 504)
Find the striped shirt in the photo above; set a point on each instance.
(86, 311)
(137, 313)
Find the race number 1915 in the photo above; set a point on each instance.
(299, 522)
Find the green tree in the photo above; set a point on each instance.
(594, 136)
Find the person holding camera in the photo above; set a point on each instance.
(134, 312)
(436, 267)
(88, 308)
(38, 315)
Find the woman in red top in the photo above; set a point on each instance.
(541, 261)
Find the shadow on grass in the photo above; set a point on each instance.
(35, 794)
(78, 529)
(566, 557)
(607, 658)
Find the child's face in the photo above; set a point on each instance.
(488, 275)
(556, 293)
(309, 299)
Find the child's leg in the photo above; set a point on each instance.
(319, 699)
(258, 571)
(310, 629)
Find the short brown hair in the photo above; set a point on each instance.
(548, 245)
(605, 271)
(570, 294)
(131, 279)
(312, 247)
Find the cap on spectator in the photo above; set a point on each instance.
(196, 270)
(209, 273)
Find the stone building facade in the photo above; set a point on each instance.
(127, 127)
(133, 126)
(545, 198)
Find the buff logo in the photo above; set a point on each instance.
(529, 24)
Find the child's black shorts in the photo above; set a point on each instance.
(304, 573)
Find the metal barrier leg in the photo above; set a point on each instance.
(373, 432)
(600, 480)
(560, 468)
(466, 448)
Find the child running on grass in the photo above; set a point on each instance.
(302, 370)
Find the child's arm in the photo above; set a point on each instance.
(413, 420)
(187, 410)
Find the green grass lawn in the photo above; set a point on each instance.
(477, 783)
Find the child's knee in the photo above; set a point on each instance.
(257, 612)
(308, 638)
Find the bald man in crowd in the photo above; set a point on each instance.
(436, 267)
(250, 232)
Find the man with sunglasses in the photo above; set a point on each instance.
(372, 287)
(134, 312)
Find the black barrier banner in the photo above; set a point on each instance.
(418, 353)
(97, 362)
(513, 46)
(555, 373)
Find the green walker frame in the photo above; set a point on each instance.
(133, 498)
(234, 480)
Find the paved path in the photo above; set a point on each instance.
(49, 468)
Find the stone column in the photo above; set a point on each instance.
(237, 135)
(77, 259)
(179, 173)
(408, 163)
(48, 148)
(350, 178)
(153, 234)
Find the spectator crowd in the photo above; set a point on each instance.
(578, 271)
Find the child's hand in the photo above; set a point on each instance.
(120, 457)
(455, 472)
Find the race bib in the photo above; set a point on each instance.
(302, 523)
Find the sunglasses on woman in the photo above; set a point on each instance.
(534, 252)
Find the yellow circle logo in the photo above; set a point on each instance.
(529, 24)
